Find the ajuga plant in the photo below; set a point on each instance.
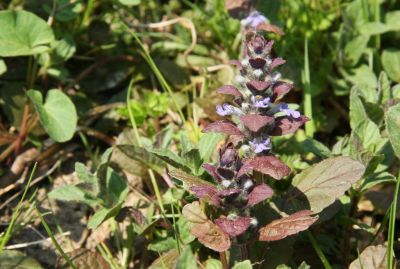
(246, 159)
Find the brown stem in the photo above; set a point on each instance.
(347, 233)
(224, 261)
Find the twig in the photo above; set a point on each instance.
(222, 256)
(37, 242)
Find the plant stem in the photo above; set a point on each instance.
(54, 241)
(224, 261)
(157, 72)
(392, 224)
(318, 250)
(137, 136)
(310, 127)
(7, 236)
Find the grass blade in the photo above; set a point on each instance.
(392, 223)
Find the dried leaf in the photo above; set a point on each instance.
(287, 125)
(84, 259)
(229, 89)
(233, 226)
(259, 194)
(256, 85)
(238, 9)
(225, 127)
(194, 214)
(322, 183)
(373, 257)
(211, 236)
(166, 260)
(255, 122)
(293, 224)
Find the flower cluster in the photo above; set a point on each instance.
(255, 115)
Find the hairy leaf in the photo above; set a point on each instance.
(293, 224)
(256, 85)
(287, 125)
(255, 122)
(393, 127)
(320, 185)
(259, 194)
(281, 89)
(207, 192)
(229, 89)
(269, 165)
(194, 214)
(225, 127)
(188, 180)
(233, 226)
(211, 236)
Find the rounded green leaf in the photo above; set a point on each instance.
(393, 127)
(57, 114)
(391, 63)
(130, 2)
(23, 33)
(13, 259)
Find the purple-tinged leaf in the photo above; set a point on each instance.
(256, 85)
(225, 127)
(287, 125)
(259, 194)
(206, 192)
(277, 62)
(281, 89)
(211, 236)
(225, 173)
(270, 28)
(229, 89)
(255, 122)
(268, 165)
(293, 224)
(229, 192)
(233, 226)
(211, 170)
(257, 63)
(236, 63)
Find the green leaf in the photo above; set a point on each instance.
(57, 115)
(102, 215)
(3, 67)
(374, 28)
(392, 20)
(213, 264)
(72, 193)
(186, 259)
(316, 147)
(169, 157)
(362, 76)
(365, 135)
(207, 145)
(62, 50)
(143, 156)
(243, 265)
(324, 182)
(13, 259)
(393, 127)
(304, 265)
(162, 244)
(375, 179)
(166, 260)
(355, 48)
(391, 63)
(23, 33)
(130, 2)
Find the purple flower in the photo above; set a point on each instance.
(259, 146)
(289, 112)
(226, 110)
(259, 101)
(254, 19)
